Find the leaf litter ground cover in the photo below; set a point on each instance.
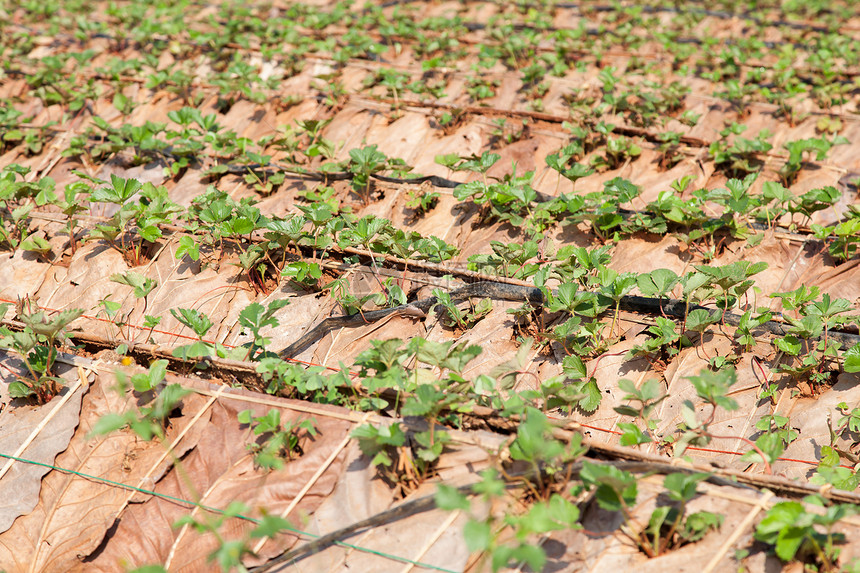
(444, 286)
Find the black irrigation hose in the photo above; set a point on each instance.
(679, 309)
(668, 307)
(435, 180)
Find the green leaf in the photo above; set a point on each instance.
(534, 440)
(574, 367)
(193, 319)
(852, 359)
(478, 535)
(18, 389)
(616, 488)
(449, 498)
(46, 192)
(682, 487)
(197, 349)
(448, 160)
(713, 387)
(142, 285)
(591, 401)
(563, 511)
(657, 283)
(148, 381)
(788, 344)
(490, 485)
(271, 525)
(36, 244)
(697, 524)
(632, 435)
(533, 555)
(781, 515)
(789, 540)
(700, 319)
(149, 233)
(108, 423)
(829, 472)
(120, 190)
(659, 517)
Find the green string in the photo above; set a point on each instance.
(216, 510)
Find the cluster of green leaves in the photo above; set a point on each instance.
(691, 216)
(807, 339)
(712, 389)
(508, 199)
(642, 103)
(521, 40)
(590, 288)
(549, 461)
(215, 218)
(200, 324)
(33, 139)
(135, 225)
(669, 526)
(365, 162)
(739, 156)
(157, 404)
(141, 287)
(195, 135)
(18, 198)
(276, 440)
(797, 533)
(422, 200)
(842, 238)
(796, 149)
(36, 345)
(229, 553)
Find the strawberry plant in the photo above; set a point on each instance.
(739, 157)
(16, 199)
(797, 534)
(796, 149)
(648, 398)
(200, 324)
(560, 161)
(36, 345)
(421, 200)
(276, 441)
(152, 418)
(504, 133)
(136, 226)
(454, 317)
(254, 317)
(551, 511)
(813, 320)
(71, 205)
(365, 162)
(669, 526)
